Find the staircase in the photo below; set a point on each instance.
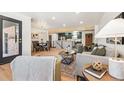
(59, 44)
(63, 44)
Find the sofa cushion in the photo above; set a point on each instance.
(99, 51)
(94, 51)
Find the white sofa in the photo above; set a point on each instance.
(83, 59)
(31, 68)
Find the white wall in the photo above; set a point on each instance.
(96, 29)
(26, 30)
(105, 19)
(83, 38)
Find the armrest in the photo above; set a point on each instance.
(83, 59)
(57, 70)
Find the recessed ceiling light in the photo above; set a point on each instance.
(81, 22)
(64, 25)
(53, 18)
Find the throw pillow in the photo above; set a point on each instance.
(101, 52)
(94, 51)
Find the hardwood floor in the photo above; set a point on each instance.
(6, 74)
(52, 52)
(65, 77)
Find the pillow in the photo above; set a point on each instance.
(95, 48)
(94, 51)
(101, 52)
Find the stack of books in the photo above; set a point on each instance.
(95, 73)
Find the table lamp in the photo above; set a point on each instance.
(115, 28)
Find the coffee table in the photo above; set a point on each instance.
(67, 62)
(67, 57)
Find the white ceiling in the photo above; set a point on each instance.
(71, 19)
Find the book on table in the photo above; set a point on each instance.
(97, 74)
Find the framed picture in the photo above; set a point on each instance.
(120, 40)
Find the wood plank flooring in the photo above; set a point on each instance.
(52, 52)
(5, 72)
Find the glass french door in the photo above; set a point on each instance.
(10, 39)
